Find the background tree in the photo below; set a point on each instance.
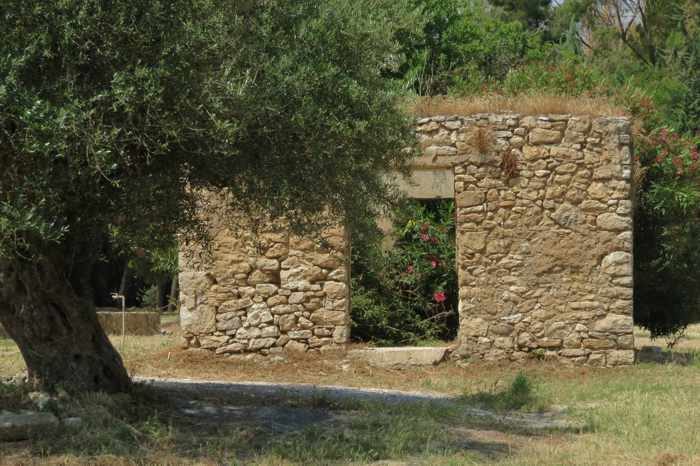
(116, 114)
(641, 55)
(461, 45)
(533, 13)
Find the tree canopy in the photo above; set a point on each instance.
(115, 114)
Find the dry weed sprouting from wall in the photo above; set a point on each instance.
(509, 164)
(524, 105)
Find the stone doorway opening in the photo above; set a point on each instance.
(404, 279)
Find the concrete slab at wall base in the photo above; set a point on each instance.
(402, 356)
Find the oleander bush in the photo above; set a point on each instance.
(407, 292)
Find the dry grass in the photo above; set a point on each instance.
(646, 414)
(523, 105)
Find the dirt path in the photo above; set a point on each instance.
(278, 394)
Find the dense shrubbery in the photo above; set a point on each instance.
(408, 292)
(464, 45)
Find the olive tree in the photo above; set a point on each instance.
(115, 114)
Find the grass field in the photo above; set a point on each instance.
(642, 415)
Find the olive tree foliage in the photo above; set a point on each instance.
(115, 115)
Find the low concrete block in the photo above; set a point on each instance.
(137, 322)
(404, 356)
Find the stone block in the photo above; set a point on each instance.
(295, 347)
(472, 240)
(620, 357)
(615, 324)
(544, 136)
(470, 198)
(323, 317)
(335, 290)
(613, 222)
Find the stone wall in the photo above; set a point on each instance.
(265, 293)
(544, 235)
(544, 238)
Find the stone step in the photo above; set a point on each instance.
(401, 356)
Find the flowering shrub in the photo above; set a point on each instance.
(667, 228)
(407, 292)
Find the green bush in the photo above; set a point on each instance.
(667, 288)
(407, 293)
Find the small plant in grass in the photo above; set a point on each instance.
(519, 393)
(519, 396)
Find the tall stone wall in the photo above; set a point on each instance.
(265, 293)
(544, 239)
(544, 235)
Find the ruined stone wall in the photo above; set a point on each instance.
(544, 239)
(544, 235)
(265, 293)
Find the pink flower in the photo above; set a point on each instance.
(409, 269)
(425, 237)
(434, 263)
(440, 297)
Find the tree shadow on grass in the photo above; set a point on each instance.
(152, 424)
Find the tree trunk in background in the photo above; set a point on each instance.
(174, 292)
(56, 331)
(163, 294)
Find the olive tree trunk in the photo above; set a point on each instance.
(57, 332)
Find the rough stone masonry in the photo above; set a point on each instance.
(265, 293)
(544, 239)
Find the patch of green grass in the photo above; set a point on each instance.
(520, 395)
(368, 436)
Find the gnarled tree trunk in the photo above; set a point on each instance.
(57, 332)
